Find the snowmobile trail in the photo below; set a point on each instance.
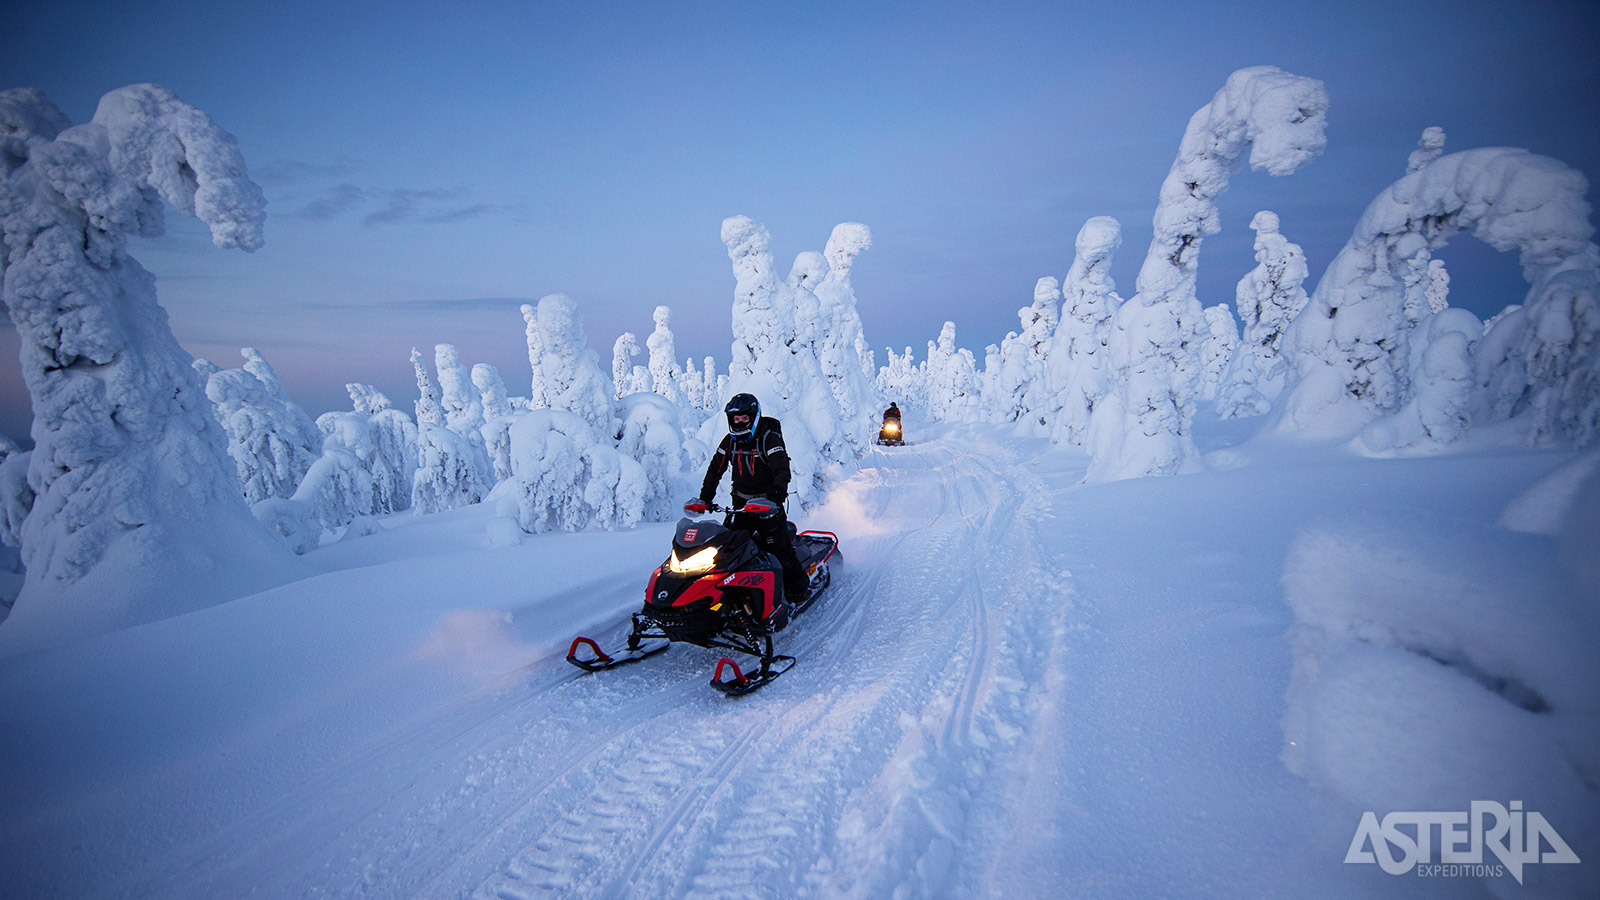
(842, 779)
(881, 760)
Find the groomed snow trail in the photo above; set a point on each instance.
(881, 764)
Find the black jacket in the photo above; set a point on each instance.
(760, 464)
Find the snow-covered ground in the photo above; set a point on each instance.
(1017, 686)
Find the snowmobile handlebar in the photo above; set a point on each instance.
(756, 506)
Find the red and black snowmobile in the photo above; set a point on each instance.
(720, 588)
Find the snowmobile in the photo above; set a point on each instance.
(889, 435)
(719, 588)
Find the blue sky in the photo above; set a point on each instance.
(430, 167)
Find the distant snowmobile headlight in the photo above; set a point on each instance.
(892, 427)
(695, 562)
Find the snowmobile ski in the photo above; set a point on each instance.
(741, 684)
(602, 660)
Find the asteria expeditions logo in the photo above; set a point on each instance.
(1516, 838)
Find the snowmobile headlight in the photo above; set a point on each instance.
(694, 562)
(892, 427)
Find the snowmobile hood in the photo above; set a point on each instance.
(697, 532)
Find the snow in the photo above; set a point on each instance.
(1018, 686)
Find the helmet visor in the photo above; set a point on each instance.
(740, 422)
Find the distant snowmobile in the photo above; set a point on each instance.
(889, 435)
(719, 588)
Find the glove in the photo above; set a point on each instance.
(695, 506)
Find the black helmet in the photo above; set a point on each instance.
(744, 411)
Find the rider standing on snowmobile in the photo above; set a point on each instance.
(754, 448)
(893, 412)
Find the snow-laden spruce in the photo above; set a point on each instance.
(497, 417)
(1350, 348)
(775, 358)
(901, 380)
(565, 477)
(538, 395)
(664, 371)
(383, 438)
(954, 389)
(623, 352)
(1220, 346)
(1019, 388)
(1269, 298)
(568, 368)
(1441, 373)
(452, 469)
(272, 441)
(1142, 426)
(138, 513)
(842, 348)
(1076, 372)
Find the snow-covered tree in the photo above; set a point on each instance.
(664, 370)
(622, 354)
(1439, 409)
(1076, 376)
(458, 396)
(1269, 298)
(539, 395)
(954, 389)
(272, 441)
(498, 415)
(841, 346)
(902, 380)
(692, 386)
(779, 366)
(572, 379)
(1220, 345)
(1142, 426)
(1350, 348)
(989, 395)
(383, 439)
(1437, 293)
(1024, 388)
(652, 436)
(564, 477)
(450, 468)
(712, 400)
(138, 513)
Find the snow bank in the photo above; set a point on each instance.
(1436, 665)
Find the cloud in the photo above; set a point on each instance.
(401, 204)
(335, 202)
(476, 210)
(282, 172)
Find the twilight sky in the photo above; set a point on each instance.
(430, 167)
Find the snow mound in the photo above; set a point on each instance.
(1434, 666)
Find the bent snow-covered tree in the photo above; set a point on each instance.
(138, 513)
(1142, 426)
(1350, 348)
